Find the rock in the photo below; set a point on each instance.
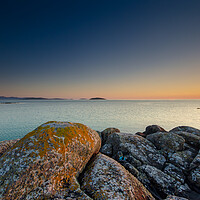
(168, 142)
(194, 178)
(182, 159)
(164, 184)
(190, 138)
(105, 133)
(104, 178)
(171, 197)
(141, 134)
(99, 134)
(130, 168)
(107, 149)
(45, 163)
(6, 145)
(174, 172)
(187, 129)
(136, 146)
(153, 129)
(196, 162)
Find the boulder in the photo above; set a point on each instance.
(108, 131)
(196, 162)
(174, 172)
(194, 178)
(104, 178)
(168, 142)
(153, 129)
(188, 129)
(139, 148)
(6, 145)
(182, 159)
(190, 138)
(107, 149)
(46, 162)
(164, 184)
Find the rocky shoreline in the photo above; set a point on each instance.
(63, 160)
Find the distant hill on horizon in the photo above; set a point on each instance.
(28, 98)
(97, 98)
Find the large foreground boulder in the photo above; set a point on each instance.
(46, 162)
(5, 145)
(105, 178)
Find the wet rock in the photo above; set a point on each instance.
(153, 129)
(104, 178)
(137, 147)
(187, 129)
(174, 172)
(165, 184)
(182, 159)
(45, 163)
(190, 138)
(168, 142)
(6, 145)
(105, 133)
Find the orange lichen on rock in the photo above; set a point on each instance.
(46, 162)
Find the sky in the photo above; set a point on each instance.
(117, 49)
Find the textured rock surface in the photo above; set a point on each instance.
(6, 145)
(139, 148)
(108, 131)
(170, 197)
(153, 129)
(187, 129)
(169, 142)
(174, 172)
(182, 159)
(46, 162)
(190, 138)
(106, 179)
(164, 183)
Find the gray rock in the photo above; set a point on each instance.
(190, 138)
(136, 146)
(194, 177)
(168, 142)
(165, 184)
(108, 131)
(196, 162)
(153, 129)
(182, 159)
(187, 129)
(107, 149)
(171, 197)
(174, 172)
(104, 178)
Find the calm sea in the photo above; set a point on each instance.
(131, 116)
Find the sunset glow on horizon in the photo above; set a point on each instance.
(116, 49)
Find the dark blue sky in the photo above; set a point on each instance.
(118, 49)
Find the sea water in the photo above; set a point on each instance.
(16, 120)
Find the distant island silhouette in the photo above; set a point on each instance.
(28, 98)
(97, 98)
